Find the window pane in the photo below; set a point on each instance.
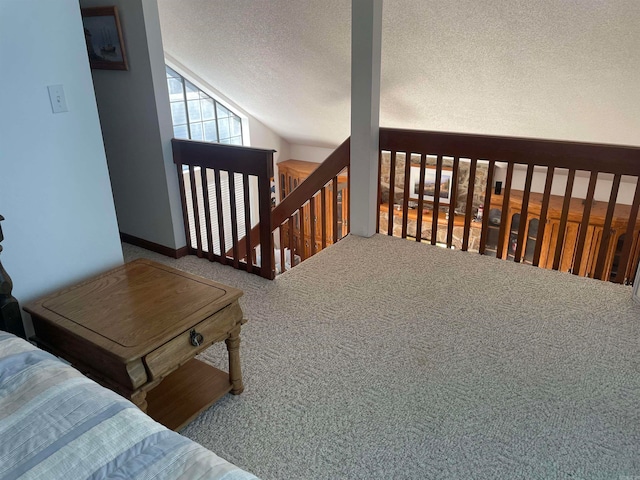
(175, 89)
(222, 112)
(172, 73)
(236, 126)
(192, 90)
(223, 128)
(180, 131)
(200, 111)
(210, 134)
(178, 113)
(196, 131)
(194, 111)
(208, 110)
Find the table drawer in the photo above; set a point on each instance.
(179, 350)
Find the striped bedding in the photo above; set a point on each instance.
(57, 424)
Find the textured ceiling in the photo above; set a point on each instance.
(565, 69)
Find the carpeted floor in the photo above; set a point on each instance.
(383, 358)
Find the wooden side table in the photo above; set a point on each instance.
(136, 330)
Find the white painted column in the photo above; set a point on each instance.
(366, 40)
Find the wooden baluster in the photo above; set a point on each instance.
(234, 221)
(405, 196)
(312, 224)
(606, 229)
(183, 199)
(584, 225)
(423, 165)
(207, 211)
(452, 202)
(223, 249)
(436, 200)
(283, 257)
(265, 233)
(247, 222)
(487, 207)
(303, 253)
(196, 211)
(379, 191)
(628, 238)
(323, 206)
(504, 221)
(522, 241)
(292, 246)
(345, 198)
(542, 224)
(563, 219)
(335, 209)
(392, 188)
(469, 207)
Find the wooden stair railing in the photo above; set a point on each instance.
(563, 232)
(210, 183)
(300, 200)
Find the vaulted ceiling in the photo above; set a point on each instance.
(564, 69)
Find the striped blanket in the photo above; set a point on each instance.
(57, 424)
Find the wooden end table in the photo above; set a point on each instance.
(136, 330)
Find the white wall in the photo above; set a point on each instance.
(136, 124)
(309, 153)
(54, 184)
(580, 184)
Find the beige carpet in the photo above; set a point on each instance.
(383, 358)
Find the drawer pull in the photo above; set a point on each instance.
(196, 338)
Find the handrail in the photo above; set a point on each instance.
(337, 161)
(606, 158)
(332, 166)
(212, 159)
(578, 237)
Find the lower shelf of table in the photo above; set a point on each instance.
(186, 392)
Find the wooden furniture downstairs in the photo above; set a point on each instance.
(137, 328)
(595, 234)
(292, 173)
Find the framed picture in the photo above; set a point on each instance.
(446, 180)
(103, 36)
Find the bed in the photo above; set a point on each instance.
(57, 424)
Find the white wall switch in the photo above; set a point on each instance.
(58, 101)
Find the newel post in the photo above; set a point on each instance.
(10, 317)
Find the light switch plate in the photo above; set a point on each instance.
(58, 100)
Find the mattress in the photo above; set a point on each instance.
(57, 424)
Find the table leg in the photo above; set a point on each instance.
(235, 372)
(140, 400)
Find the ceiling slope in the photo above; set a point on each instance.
(551, 68)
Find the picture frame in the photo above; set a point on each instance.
(103, 36)
(446, 181)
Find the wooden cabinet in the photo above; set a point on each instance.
(593, 238)
(307, 224)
